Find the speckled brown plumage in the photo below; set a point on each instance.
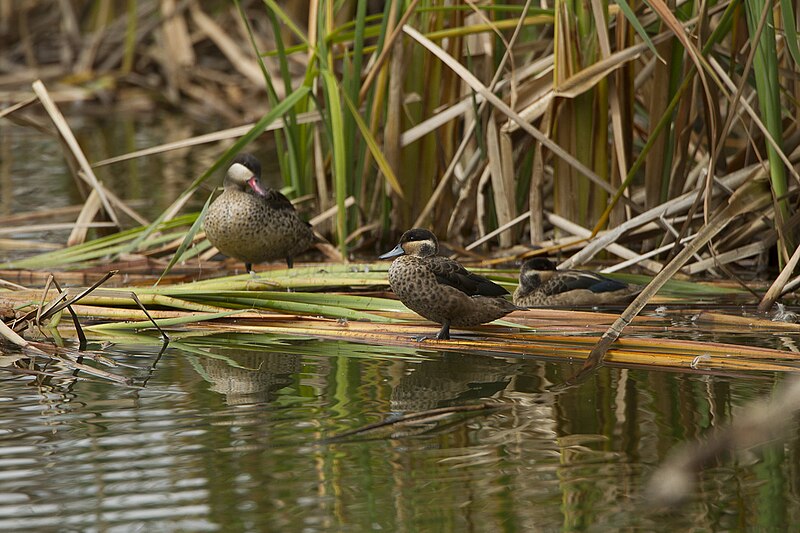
(439, 288)
(540, 284)
(254, 224)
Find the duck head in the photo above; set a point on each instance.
(534, 270)
(244, 172)
(417, 241)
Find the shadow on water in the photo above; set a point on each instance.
(233, 432)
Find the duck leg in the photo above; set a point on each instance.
(444, 333)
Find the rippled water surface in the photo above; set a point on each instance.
(233, 434)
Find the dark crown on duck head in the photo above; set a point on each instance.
(244, 173)
(534, 270)
(418, 241)
(538, 264)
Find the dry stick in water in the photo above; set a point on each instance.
(75, 321)
(90, 209)
(40, 309)
(16, 107)
(776, 289)
(53, 309)
(751, 196)
(44, 312)
(419, 417)
(14, 337)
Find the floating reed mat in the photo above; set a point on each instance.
(542, 333)
(351, 303)
(566, 343)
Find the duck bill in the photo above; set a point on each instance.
(256, 186)
(394, 252)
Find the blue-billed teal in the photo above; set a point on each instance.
(254, 223)
(540, 284)
(439, 288)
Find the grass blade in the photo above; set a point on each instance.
(187, 240)
(334, 108)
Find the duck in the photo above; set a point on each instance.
(541, 284)
(441, 289)
(253, 223)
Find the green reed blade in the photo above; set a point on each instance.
(328, 311)
(634, 22)
(374, 149)
(350, 301)
(187, 240)
(765, 70)
(334, 115)
(163, 322)
(790, 30)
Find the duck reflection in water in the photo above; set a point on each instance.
(451, 379)
(257, 378)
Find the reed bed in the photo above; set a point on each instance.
(655, 139)
(318, 308)
(625, 105)
(544, 334)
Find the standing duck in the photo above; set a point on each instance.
(439, 288)
(541, 284)
(252, 223)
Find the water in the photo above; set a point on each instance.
(239, 434)
(254, 432)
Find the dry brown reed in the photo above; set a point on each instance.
(546, 107)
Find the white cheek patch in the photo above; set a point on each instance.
(239, 173)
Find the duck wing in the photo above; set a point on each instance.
(276, 200)
(449, 272)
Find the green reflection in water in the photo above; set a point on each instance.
(232, 433)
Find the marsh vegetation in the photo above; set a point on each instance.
(658, 138)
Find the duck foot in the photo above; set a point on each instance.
(443, 335)
(249, 268)
(423, 338)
